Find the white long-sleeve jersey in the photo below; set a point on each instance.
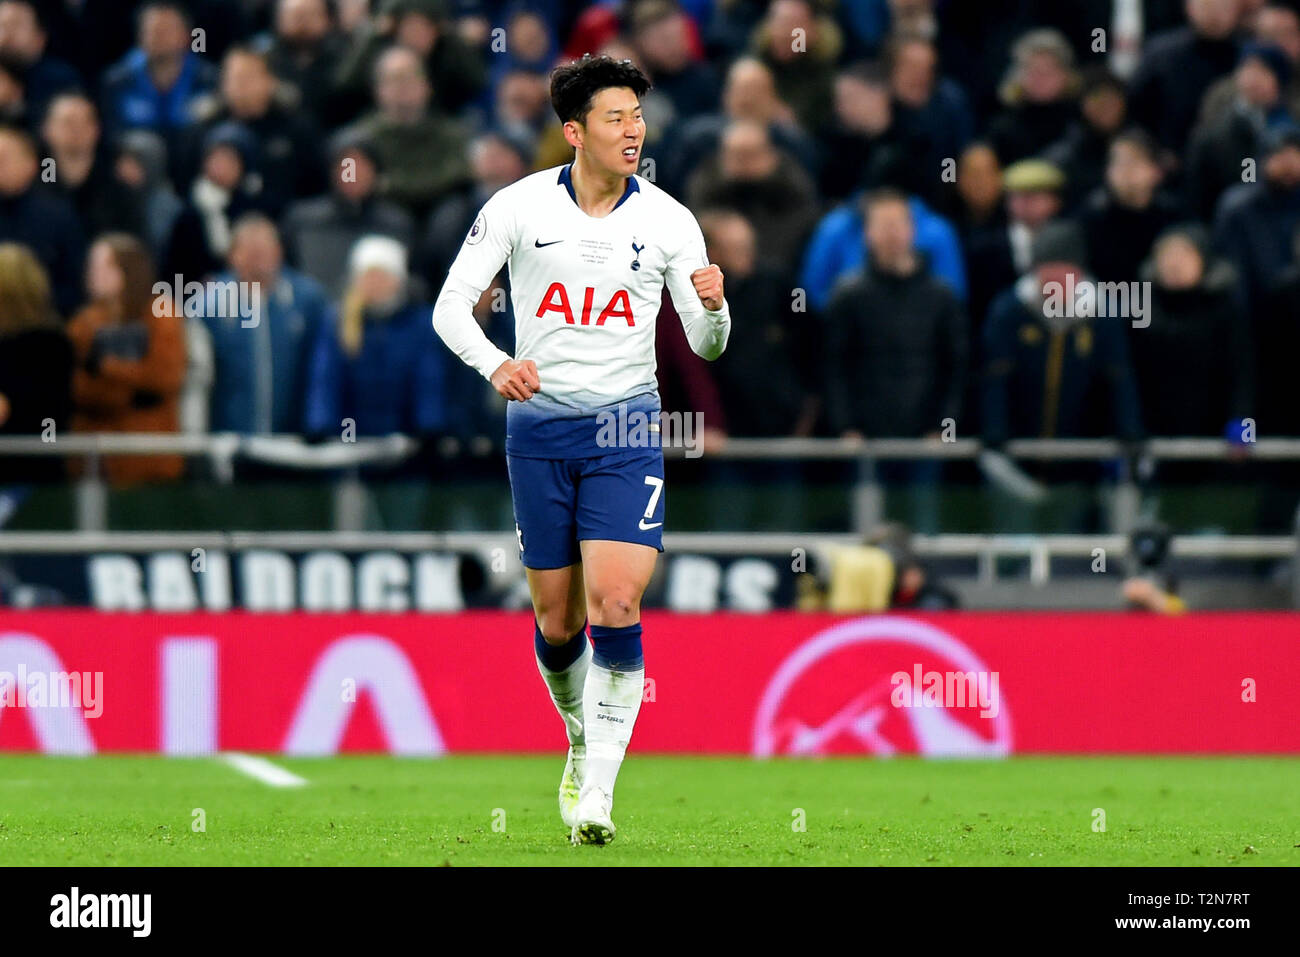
(586, 291)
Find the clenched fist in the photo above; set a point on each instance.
(708, 286)
(517, 379)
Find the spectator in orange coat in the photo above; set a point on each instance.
(130, 357)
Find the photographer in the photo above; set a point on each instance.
(1151, 585)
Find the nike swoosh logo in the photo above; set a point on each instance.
(645, 528)
(606, 704)
(539, 244)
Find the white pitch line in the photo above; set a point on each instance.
(263, 770)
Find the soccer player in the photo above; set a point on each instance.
(590, 246)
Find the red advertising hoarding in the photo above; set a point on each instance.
(773, 684)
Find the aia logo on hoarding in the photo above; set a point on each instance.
(838, 693)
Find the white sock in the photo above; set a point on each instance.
(610, 704)
(566, 689)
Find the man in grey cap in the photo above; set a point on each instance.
(997, 256)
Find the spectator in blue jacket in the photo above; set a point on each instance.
(379, 366)
(839, 247)
(261, 354)
(155, 86)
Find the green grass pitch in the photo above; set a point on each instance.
(481, 810)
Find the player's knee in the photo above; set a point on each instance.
(559, 626)
(617, 607)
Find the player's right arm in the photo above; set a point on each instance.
(490, 242)
(695, 286)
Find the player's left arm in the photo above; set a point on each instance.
(696, 286)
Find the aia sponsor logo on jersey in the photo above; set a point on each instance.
(557, 300)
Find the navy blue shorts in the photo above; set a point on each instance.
(560, 502)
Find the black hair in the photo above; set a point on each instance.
(1097, 77)
(247, 50)
(179, 6)
(71, 93)
(575, 85)
(1141, 140)
(895, 44)
(869, 72)
(882, 195)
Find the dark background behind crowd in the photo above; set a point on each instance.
(887, 185)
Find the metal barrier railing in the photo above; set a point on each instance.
(294, 450)
(347, 458)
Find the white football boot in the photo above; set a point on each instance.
(571, 784)
(591, 821)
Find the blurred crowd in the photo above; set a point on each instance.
(890, 186)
